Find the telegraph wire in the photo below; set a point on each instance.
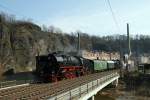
(113, 15)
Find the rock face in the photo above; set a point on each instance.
(21, 41)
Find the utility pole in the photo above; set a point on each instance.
(78, 47)
(129, 48)
(128, 39)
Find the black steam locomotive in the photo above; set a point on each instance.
(54, 67)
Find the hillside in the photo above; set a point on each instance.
(21, 41)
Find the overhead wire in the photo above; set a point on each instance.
(113, 15)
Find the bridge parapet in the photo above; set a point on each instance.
(87, 90)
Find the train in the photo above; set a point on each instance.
(55, 67)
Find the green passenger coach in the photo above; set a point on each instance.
(100, 65)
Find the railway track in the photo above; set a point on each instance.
(46, 90)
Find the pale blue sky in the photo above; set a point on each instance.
(90, 16)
